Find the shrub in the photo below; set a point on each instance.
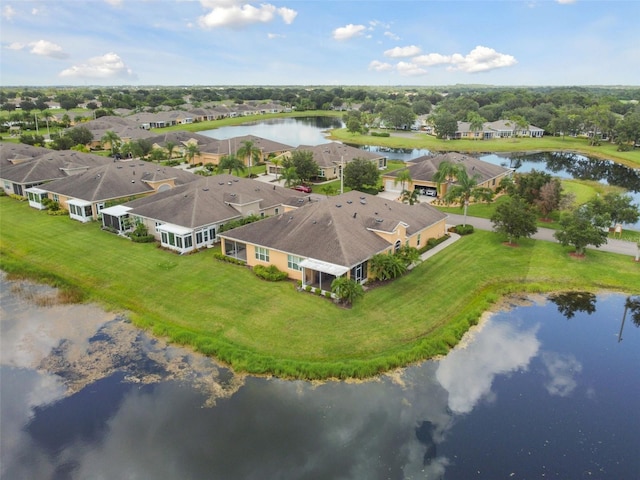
(224, 258)
(380, 134)
(270, 273)
(464, 229)
(58, 213)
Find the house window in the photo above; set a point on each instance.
(277, 210)
(188, 241)
(419, 239)
(397, 246)
(262, 254)
(198, 238)
(56, 198)
(157, 225)
(293, 262)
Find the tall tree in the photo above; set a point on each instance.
(250, 152)
(549, 198)
(476, 123)
(403, 178)
(515, 219)
(170, 147)
(465, 189)
(306, 167)
(360, 173)
(582, 227)
(445, 124)
(112, 139)
(446, 174)
(191, 152)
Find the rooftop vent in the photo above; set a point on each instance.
(363, 202)
(349, 202)
(379, 220)
(338, 205)
(205, 189)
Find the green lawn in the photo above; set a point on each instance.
(261, 327)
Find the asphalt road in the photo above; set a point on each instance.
(614, 246)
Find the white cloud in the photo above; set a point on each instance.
(229, 13)
(380, 66)
(481, 59)
(47, 49)
(566, 2)
(106, 66)
(561, 369)
(114, 3)
(432, 59)
(410, 69)
(43, 48)
(348, 31)
(8, 12)
(272, 36)
(391, 35)
(397, 52)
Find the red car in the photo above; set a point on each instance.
(302, 188)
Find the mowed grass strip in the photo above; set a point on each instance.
(263, 327)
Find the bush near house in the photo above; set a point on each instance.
(270, 273)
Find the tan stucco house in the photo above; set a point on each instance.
(326, 239)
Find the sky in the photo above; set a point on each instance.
(319, 42)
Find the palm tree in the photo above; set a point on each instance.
(464, 189)
(410, 197)
(447, 173)
(229, 163)
(290, 176)
(346, 290)
(191, 152)
(403, 178)
(170, 147)
(250, 151)
(46, 114)
(276, 162)
(113, 139)
(476, 123)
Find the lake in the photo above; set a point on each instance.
(542, 388)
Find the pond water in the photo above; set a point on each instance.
(543, 389)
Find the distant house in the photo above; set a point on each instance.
(126, 130)
(423, 169)
(85, 195)
(497, 129)
(212, 152)
(335, 237)
(331, 157)
(181, 139)
(190, 217)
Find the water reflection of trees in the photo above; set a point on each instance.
(569, 303)
(632, 304)
(583, 168)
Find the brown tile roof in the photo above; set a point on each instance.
(339, 230)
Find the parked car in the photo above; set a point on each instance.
(302, 188)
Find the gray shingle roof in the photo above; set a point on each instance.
(333, 153)
(424, 168)
(338, 230)
(13, 153)
(117, 180)
(209, 200)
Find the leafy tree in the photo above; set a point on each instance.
(306, 167)
(113, 139)
(354, 125)
(143, 147)
(628, 130)
(528, 185)
(80, 135)
(549, 197)
(408, 255)
(421, 107)
(445, 124)
(398, 116)
(582, 227)
(515, 219)
(231, 163)
(191, 152)
(29, 139)
(157, 155)
(65, 121)
(346, 290)
(617, 206)
(465, 189)
(360, 173)
(519, 123)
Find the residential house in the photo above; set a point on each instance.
(334, 237)
(497, 129)
(190, 217)
(423, 169)
(15, 153)
(22, 174)
(214, 151)
(126, 130)
(331, 157)
(86, 194)
(181, 139)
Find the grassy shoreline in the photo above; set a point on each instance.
(267, 328)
